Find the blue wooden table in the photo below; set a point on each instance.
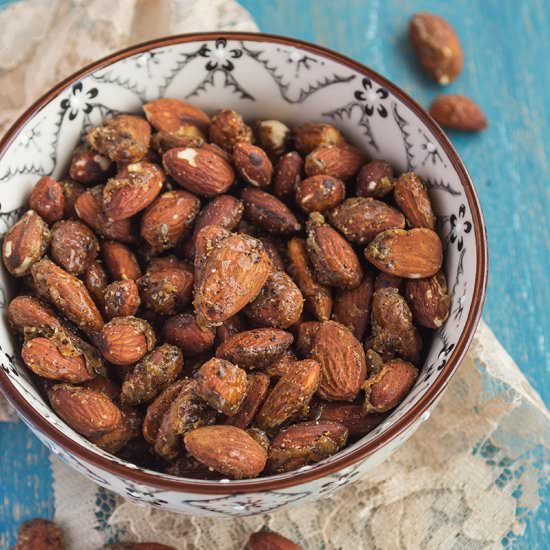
(507, 71)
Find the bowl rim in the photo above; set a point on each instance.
(316, 471)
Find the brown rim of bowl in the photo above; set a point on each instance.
(362, 451)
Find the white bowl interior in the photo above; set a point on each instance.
(260, 80)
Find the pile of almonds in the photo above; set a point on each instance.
(210, 307)
(42, 534)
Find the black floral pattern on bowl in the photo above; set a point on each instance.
(459, 227)
(78, 100)
(371, 96)
(220, 56)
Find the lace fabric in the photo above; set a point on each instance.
(468, 478)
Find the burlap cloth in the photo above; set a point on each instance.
(471, 475)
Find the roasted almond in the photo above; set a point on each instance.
(233, 275)
(184, 331)
(228, 450)
(413, 254)
(206, 241)
(222, 385)
(71, 191)
(74, 246)
(437, 46)
(280, 366)
(27, 314)
(429, 300)
(342, 360)
(125, 340)
(133, 189)
(279, 304)
(268, 212)
(96, 281)
(199, 170)
(352, 306)
(47, 199)
(184, 414)
(120, 261)
(228, 128)
(169, 218)
(311, 135)
(411, 196)
(68, 294)
(252, 164)
(88, 166)
(184, 136)
(103, 385)
(388, 387)
(25, 243)
(305, 443)
(273, 137)
(154, 372)
(120, 299)
(169, 114)
(305, 336)
(393, 332)
(88, 412)
(360, 219)
(339, 161)
(318, 297)
(166, 292)
(458, 112)
(124, 138)
(319, 193)
(292, 392)
(375, 179)
(39, 534)
(256, 347)
(385, 280)
(46, 359)
(287, 175)
(257, 388)
(229, 327)
(268, 540)
(129, 427)
(333, 259)
(352, 416)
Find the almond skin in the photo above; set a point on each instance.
(352, 306)
(207, 240)
(168, 115)
(88, 166)
(120, 299)
(257, 389)
(185, 136)
(44, 358)
(47, 199)
(252, 164)
(129, 427)
(222, 385)
(334, 260)
(352, 416)
(229, 327)
(393, 332)
(318, 297)
(228, 450)
(224, 210)
(304, 443)
(292, 392)
(385, 280)
(125, 340)
(279, 304)
(280, 366)
(228, 128)
(167, 291)
(360, 219)
(413, 254)
(311, 135)
(287, 175)
(387, 388)
(458, 112)
(268, 540)
(437, 46)
(133, 189)
(319, 193)
(256, 347)
(28, 314)
(268, 212)
(339, 161)
(184, 331)
(411, 196)
(74, 246)
(375, 179)
(120, 261)
(154, 372)
(342, 360)
(71, 191)
(68, 294)
(124, 138)
(88, 412)
(305, 336)
(25, 243)
(199, 170)
(429, 300)
(39, 534)
(96, 281)
(233, 276)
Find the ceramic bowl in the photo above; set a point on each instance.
(260, 76)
